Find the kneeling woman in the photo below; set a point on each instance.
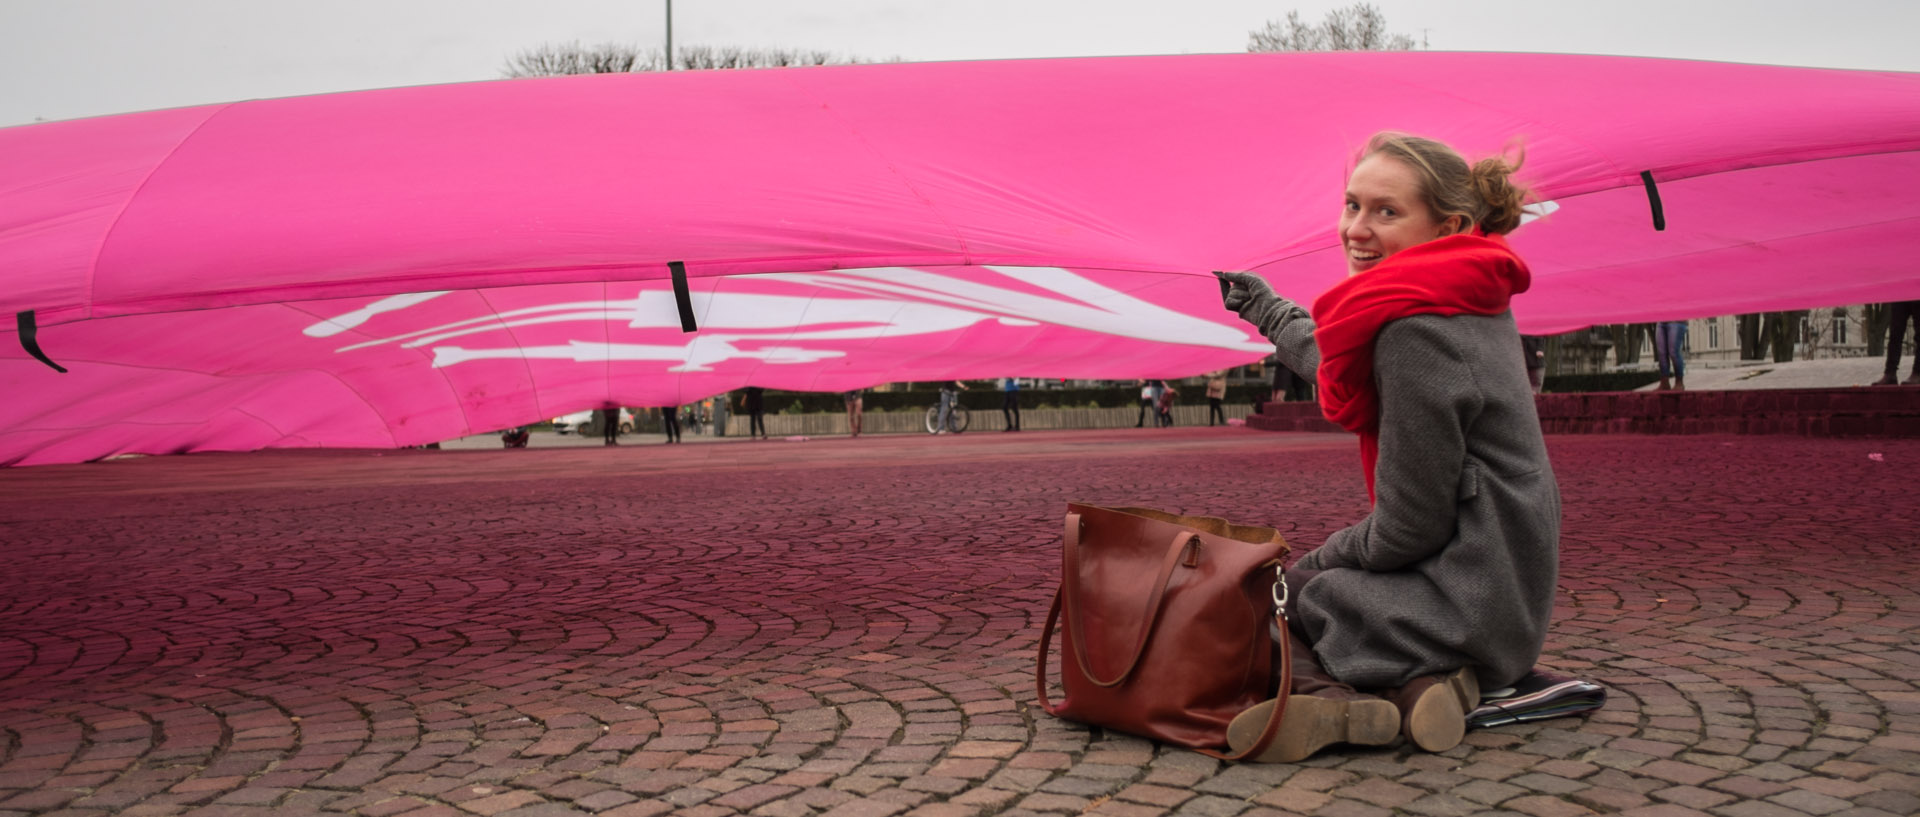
(1447, 585)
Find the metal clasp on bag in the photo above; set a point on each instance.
(1280, 589)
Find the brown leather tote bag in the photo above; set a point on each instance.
(1167, 617)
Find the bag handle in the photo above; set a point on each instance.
(1046, 646)
(1070, 584)
(1272, 729)
(1267, 734)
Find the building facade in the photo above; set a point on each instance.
(1837, 332)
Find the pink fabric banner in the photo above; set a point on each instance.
(418, 368)
(860, 224)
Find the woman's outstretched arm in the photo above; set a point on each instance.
(1285, 323)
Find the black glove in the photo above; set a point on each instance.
(1279, 320)
(1250, 296)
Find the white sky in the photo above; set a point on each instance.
(61, 59)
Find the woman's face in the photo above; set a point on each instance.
(1384, 213)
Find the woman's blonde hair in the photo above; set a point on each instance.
(1483, 195)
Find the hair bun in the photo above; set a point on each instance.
(1492, 181)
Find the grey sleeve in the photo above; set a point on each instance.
(1429, 400)
(1290, 329)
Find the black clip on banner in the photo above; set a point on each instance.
(680, 296)
(1225, 285)
(1653, 198)
(29, 339)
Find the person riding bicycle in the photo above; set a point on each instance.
(515, 437)
(949, 392)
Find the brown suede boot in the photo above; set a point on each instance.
(1313, 722)
(1320, 711)
(1433, 708)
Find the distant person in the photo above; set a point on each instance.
(855, 401)
(1163, 403)
(1899, 313)
(949, 392)
(1217, 397)
(610, 425)
(1010, 402)
(1670, 352)
(1290, 387)
(1146, 403)
(1534, 348)
(717, 406)
(753, 400)
(670, 420)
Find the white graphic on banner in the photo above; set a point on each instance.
(1536, 211)
(697, 356)
(887, 303)
(352, 320)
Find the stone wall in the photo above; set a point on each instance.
(1857, 412)
(914, 422)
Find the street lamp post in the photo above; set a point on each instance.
(669, 35)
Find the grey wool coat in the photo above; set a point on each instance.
(1457, 563)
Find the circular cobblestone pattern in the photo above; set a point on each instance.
(846, 628)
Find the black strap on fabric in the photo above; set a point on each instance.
(680, 295)
(30, 340)
(1653, 198)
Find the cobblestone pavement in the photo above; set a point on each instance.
(846, 627)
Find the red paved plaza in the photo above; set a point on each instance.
(846, 627)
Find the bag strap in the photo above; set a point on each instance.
(1046, 646)
(1070, 585)
(1272, 729)
(1053, 617)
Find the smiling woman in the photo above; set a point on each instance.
(1384, 214)
(1408, 190)
(1446, 587)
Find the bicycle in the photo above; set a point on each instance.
(956, 422)
(694, 419)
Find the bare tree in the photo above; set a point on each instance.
(1626, 340)
(572, 58)
(1359, 27)
(704, 56)
(1784, 330)
(1873, 325)
(614, 58)
(1816, 334)
(1753, 338)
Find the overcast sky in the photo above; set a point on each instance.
(61, 59)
